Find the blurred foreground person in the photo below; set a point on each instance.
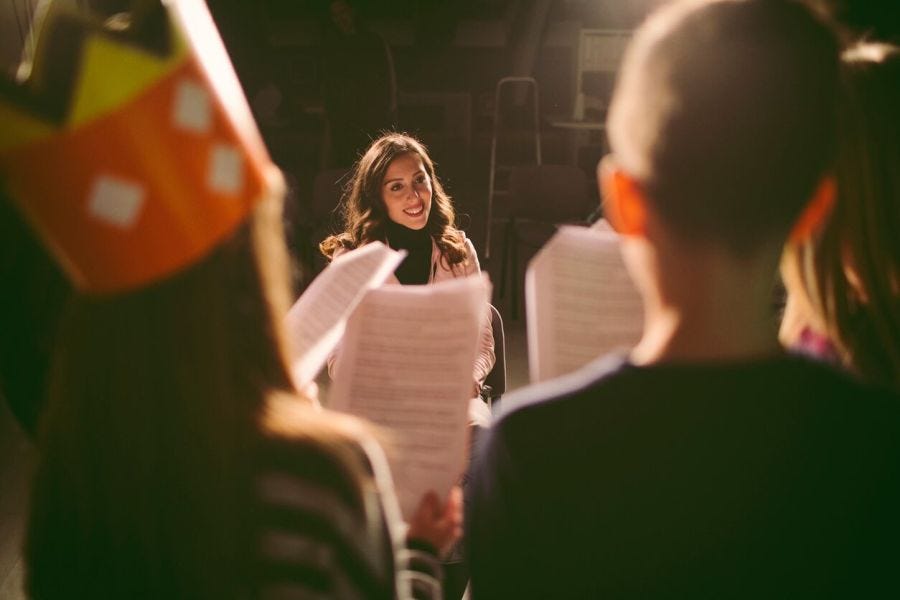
(707, 462)
(176, 458)
(844, 283)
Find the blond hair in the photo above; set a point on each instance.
(848, 276)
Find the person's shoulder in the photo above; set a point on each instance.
(471, 254)
(468, 265)
(829, 383)
(464, 240)
(827, 376)
(318, 477)
(786, 382)
(562, 395)
(529, 417)
(296, 438)
(610, 382)
(342, 248)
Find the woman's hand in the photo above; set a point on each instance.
(439, 524)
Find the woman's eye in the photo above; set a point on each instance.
(420, 179)
(396, 187)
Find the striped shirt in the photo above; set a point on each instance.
(320, 534)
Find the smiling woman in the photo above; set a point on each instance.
(394, 196)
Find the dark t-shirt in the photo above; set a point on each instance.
(771, 478)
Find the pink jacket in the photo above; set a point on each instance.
(442, 271)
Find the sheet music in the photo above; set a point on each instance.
(580, 302)
(316, 321)
(406, 364)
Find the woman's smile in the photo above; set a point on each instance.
(406, 191)
(416, 210)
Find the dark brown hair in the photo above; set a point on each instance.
(850, 274)
(364, 213)
(724, 113)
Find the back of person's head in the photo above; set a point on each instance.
(723, 113)
(364, 211)
(152, 400)
(151, 443)
(849, 275)
(168, 352)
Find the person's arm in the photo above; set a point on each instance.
(332, 358)
(486, 358)
(432, 530)
(336, 499)
(310, 506)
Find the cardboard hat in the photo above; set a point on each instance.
(131, 151)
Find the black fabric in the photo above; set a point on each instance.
(356, 90)
(33, 294)
(312, 488)
(416, 267)
(775, 478)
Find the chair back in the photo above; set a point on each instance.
(496, 379)
(550, 193)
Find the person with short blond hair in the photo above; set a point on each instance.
(706, 462)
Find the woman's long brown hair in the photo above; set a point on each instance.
(851, 273)
(365, 215)
(155, 400)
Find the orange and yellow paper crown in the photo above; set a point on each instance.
(154, 157)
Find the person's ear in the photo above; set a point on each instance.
(816, 211)
(624, 205)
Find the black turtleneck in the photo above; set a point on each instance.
(416, 267)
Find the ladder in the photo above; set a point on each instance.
(493, 192)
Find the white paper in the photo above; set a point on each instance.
(406, 364)
(316, 321)
(580, 302)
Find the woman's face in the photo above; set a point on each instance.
(406, 191)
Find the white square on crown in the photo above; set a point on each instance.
(226, 169)
(192, 108)
(115, 201)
